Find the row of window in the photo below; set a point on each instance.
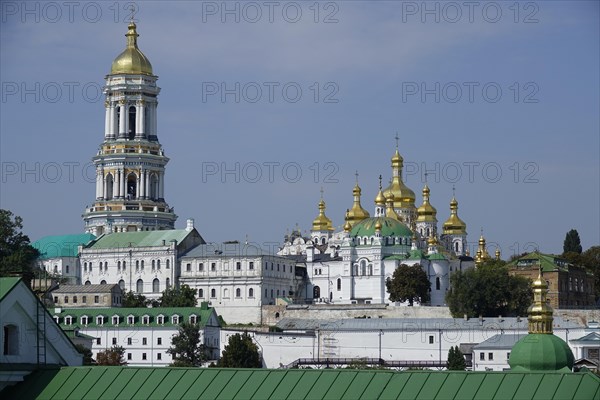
(490, 356)
(238, 293)
(75, 299)
(131, 319)
(122, 265)
(56, 269)
(388, 241)
(238, 267)
(130, 341)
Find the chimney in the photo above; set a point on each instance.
(190, 224)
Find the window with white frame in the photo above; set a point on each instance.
(68, 320)
(84, 320)
(115, 320)
(160, 319)
(99, 320)
(146, 319)
(130, 319)
(175, 319)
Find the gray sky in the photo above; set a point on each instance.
(264, 103)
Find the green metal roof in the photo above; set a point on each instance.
(389, 227)
(213, 383)
(138, 313)
(7, 284)
(548, 262)
(61, 246)
(436, 256)
(138, 239)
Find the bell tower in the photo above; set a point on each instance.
(130, 163)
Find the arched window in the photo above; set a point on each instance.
(153, 265)
(225, 292)
(131, 186)
(168, 263)
(88, 282)
(339, 284)
(11, 340)
(322, 240)
(132, 116)
(109, 187)
(201, 293)
(122, 284)
(355, 270)
(156, 285)
(139, 286)
(157, 264)
(250, 292)
(238, 292)
(456, 247)
(142, 265)
(153, 187)
(168, 283)
(119, 265)
(370, 270)
(438, 284)
(124, 265)
(316, 292)
(213, 293)
(137, 265)
(363, 267)
(103, 282)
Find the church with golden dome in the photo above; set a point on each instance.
(130, 163)
(352, 265)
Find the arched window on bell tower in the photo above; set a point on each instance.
(131, 186)
(108, 193)
(132, 116)
(154, 187)
(118, 109)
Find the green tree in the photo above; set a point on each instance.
(112, 356)
(187, 349)
(409, 284)
(456, 360)
(182, 297)
(17, 256)
(488, 290)
(572, 242)
(240, 352)
(87, 354)
(590, 259)
(135, 300)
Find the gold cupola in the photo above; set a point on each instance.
(454, 225)
(131, 60)
(322, 223)
(426, 212)
(403, 196)
(389, 207)
(347, 224)
(357, 213)
(482, 253)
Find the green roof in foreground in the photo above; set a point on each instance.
(7, 284)
(214, 383)
(61, 246)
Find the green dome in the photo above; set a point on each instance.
(389, 227)
(541, 352)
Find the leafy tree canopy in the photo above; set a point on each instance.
(135, 300)
(488, 290)
(240, 352)
(409, 284)
(456, 360)
(181, 297)
(112, 356)
(87, 354)
(572, 242)
(16, 254)
(187, 349)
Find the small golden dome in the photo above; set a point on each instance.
(378, 225)
(380, 199)
(404, 197)
(357, 213)
(131, 60)
(322, 223)
(426, 212)
(347, 225)
(454, 225)
(389, 207)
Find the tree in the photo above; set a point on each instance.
(409, 284)
(87, 354)
(590, 259)
(187, 349)
(16, 254)
(135, 300)
(182, 297)
(572, 242)
(112, 356)
(456, 360)
(488, 290)
(240, 352)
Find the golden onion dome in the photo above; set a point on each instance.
(357, 212)
(378, 225)
(131, 60)
(426, 212)
(380, 198)
(404, 197)
(347, 225)
(454, 225)
(389, 207)
(322, 223)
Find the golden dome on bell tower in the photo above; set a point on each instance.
(322, 223)
(131, 60)
(357, 213)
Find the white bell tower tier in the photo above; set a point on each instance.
(130, 164)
